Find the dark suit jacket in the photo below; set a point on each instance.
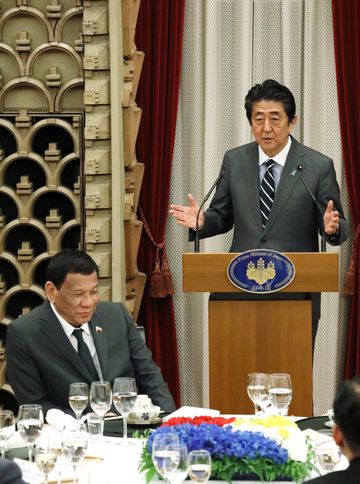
(294, 219)
(351, 475)
(41, 362)
(10, 473)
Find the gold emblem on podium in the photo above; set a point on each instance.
(261, 273)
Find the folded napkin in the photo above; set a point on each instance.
(60, 420)
(192, 412)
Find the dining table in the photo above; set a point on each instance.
(111, 460)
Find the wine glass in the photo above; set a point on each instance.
(124, 397)
(176, 468)
(78, 398)
(7, 429)
(45, 458)
(160, 450)
(327, 454)
(258, 391)
(199, 465)
(30, 422)
(74, 445)
(100, 397)
(280, 392)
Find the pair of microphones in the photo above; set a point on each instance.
(298, 170)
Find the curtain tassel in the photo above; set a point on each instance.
(160, 280)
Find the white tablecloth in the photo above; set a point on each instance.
(108, 462)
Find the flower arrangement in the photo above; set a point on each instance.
(269, 449)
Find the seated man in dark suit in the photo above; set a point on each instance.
(10, 473)
(346, 433)
(44, 354)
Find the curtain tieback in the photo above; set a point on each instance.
(160, 279)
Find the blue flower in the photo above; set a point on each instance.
(223, 442)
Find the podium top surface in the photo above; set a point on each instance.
(207, 272)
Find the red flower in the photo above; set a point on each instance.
(220, 421)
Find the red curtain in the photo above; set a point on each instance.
(346, 25)
(159, 33)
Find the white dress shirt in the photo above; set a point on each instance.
(280, 159)
(87, 337)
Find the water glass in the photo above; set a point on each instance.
(160, 450)
(124, 397)
(100, 397)
(74, 446)
(258, 391)
(7, 429)
(30, 422)
(95, 425)
(199, 465)
(327, 454)
(176, 471)
(280, 392)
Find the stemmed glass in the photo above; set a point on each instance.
(124, 397)
(176, 467)
(74, 445)
(160, 450)
(30, 422)
(280, 392)
(78, 398)
(199, 465)
(100, 397)
(7, 428)
(327, 454)
(258, 391)
(45, 458)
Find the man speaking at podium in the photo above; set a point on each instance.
(277, 193)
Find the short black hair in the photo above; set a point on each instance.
(347, 412)
(271, 90)
(69, 261)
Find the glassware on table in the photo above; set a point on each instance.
(160, 450)
(74, 446)
(199, 465)
(7, 429)
(258, 391)
(327, 454)
(95, 425)
(176, 468)
(100, 397)
(30, 423)
(45, 458)
(280, 392)
(78, 398)
(124, 397)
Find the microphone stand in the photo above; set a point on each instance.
(323, 239)
(196, 240)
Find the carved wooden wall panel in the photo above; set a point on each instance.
(56, 152)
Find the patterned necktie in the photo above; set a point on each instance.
(267, 192)
(85, 355)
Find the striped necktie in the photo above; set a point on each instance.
(267, 192)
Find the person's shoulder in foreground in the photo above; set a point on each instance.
(346, 433)
(10, 473)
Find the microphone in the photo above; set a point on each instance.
(196, 240)
(299, 168)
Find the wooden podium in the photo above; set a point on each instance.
(257, 335)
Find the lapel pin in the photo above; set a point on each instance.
(98, 329)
